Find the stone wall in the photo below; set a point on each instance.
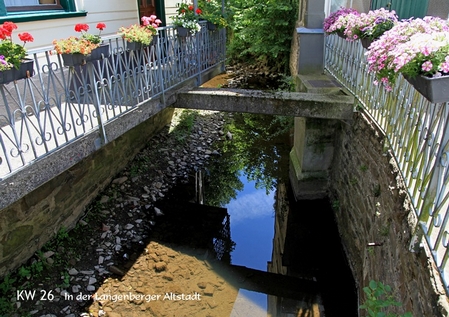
(376, 222)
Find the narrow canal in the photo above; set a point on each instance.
(241, 208)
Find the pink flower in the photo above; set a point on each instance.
(444, 67)
(427, 66)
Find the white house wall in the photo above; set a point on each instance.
(170, 9)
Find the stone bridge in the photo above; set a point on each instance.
(296, 104)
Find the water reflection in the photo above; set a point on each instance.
(286, 255)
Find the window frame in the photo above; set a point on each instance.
(67, 9)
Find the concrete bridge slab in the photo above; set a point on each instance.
(297, 104)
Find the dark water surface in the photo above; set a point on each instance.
(255, 222)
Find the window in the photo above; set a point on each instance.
(32, 5)
(404, 8)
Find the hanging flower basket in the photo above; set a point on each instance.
(25, 70)
(182, 31)
(435, 89)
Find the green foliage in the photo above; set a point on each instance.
(6, 288)
(6, 285)
(336, 205)
(65, 280)
(255, 150)
(24, 272)
(378, 299)
(14, 53)
(287, 83)
(211, 11)
(262, 32)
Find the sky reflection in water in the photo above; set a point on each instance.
(252, 229)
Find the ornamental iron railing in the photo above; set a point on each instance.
(417, 135)
(45, 112)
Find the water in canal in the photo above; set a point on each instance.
(250, 220)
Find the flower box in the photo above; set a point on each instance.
(155, 40)
(341, 34)
(182, 31)
(99, 53)
(366, 42)
(25, 70)
(75, 59)
(435, 89)
(135, 46)
(78, 59)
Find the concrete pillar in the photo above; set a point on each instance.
(311, 156)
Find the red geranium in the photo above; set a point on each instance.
(80, 27)
(191, 7)
(13, 53)
(198, 11)
(26, 37)
(9, 27)
(101, 26)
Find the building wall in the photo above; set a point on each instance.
(371, 207)
(170, 9)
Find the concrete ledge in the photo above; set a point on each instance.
(325, 106)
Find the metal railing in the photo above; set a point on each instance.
(58, 105)
(417, 134)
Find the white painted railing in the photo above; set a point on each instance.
(417, 132)
(58, 105)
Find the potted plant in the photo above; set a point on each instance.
(13, 64)
(152, 23)
(337, 21)
(79, 50)
(370, 26)
(136, 36)
(417, 49)
(186, 20)
(212, 13)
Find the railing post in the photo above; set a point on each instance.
(198, 35)
(159, 65)
(96, 99)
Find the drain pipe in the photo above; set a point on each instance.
(311, 39)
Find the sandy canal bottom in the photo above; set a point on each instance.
(173, 281)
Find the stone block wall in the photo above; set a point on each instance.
(376, 222)
(27, 224)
